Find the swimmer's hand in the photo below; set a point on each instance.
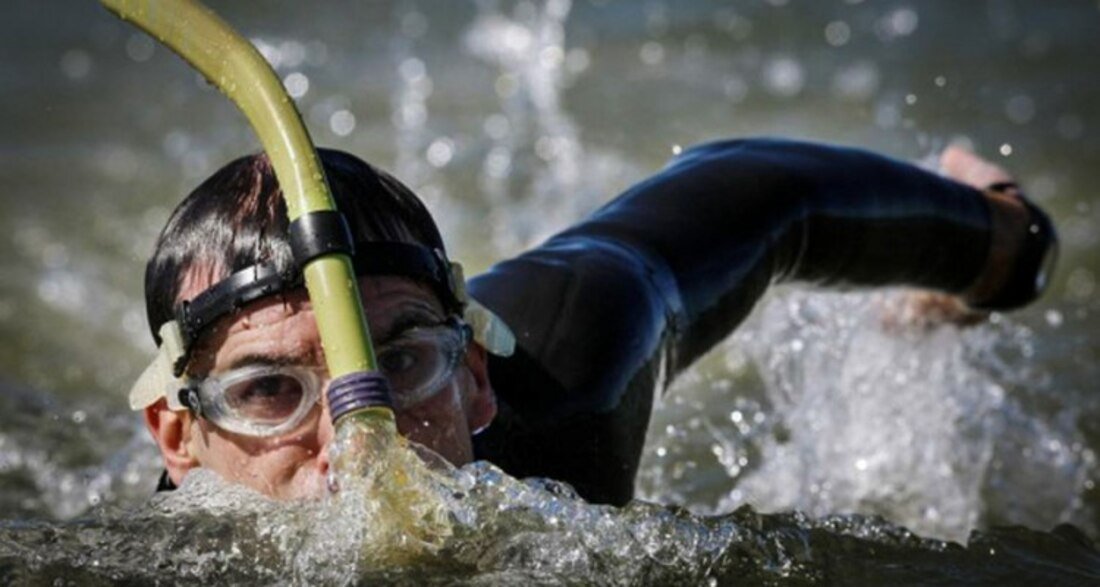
(927, 309)
(922, 309)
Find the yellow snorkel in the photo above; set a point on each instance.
(237, 69)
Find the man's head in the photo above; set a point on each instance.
(255, 414)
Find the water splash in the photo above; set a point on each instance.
(508, 531)
(924, 426)
(536, 174)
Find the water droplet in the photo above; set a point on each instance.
(652, 53)
(342, 122)
(440, 152)
(837, 33)
(783, 76)
(296, 84)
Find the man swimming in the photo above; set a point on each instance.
(647, 283)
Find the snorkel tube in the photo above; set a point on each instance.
(318, 233)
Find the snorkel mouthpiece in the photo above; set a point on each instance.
(358, 391)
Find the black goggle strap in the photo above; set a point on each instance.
(224, 297)
(258, 281)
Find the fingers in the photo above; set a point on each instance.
(966, 167)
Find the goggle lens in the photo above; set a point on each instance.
(417, 363)
(265, 400)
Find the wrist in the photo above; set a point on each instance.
(1022, 253)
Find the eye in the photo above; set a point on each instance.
(410, 364)
(398, 361)
(268, 398)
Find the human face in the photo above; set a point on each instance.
(282, 330)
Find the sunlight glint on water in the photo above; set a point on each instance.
(923, 426)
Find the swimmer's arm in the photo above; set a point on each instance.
(728, 219)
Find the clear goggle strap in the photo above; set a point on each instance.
(488, 329)
(159, 380)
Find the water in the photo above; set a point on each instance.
(512, 119)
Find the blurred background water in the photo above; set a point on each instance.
(512, 119)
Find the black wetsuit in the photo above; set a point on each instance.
(659, 275)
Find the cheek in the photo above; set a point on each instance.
(286, 468)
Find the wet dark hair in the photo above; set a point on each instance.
(237, 218)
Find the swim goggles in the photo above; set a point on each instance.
(264, 400)
(165, 376)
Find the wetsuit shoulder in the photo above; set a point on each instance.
(590, 316)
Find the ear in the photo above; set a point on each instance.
(172, 432)
(481, 401)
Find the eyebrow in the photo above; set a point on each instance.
(264, 359)
(413, 317)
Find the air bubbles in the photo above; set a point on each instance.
(940, 81)
(76, 64)
(1054, 318)
(1005, 149)
(342, 122)
(901, 22)
(677, 149)
(287, 54)
(440, 152)
(577, 61)
(296, 84)
(838, 33)
(784, 77)
(652, 53)
(1020, 109)
(910, 99)
(498, 163)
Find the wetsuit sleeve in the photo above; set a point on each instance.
(609, 310)
(727, 219)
